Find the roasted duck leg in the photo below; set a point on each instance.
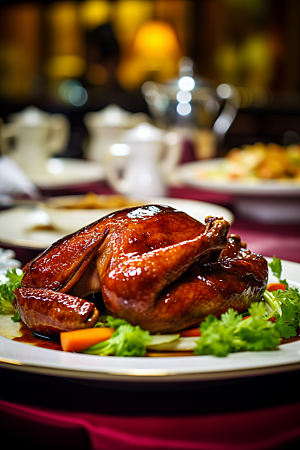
(235, 280)
(147, 263)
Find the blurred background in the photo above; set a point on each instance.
(72, 57)
(106, 104)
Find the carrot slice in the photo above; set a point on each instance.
(190, 333)
(77, 340)
(275, 286)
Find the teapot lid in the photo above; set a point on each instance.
(186, 81)
(30, 116)
(111, 116)
(144, 132)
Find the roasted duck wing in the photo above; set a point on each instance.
(155, 267)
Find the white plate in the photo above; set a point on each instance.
(189, 174)
(163, 369)
(61, 172)
(266, 201)
(24, 227)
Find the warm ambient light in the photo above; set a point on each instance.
(155, 43)
(60, 66)
(94, 13)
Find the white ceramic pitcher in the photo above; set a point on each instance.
(36, 136)
(106, 127)
(138, 166)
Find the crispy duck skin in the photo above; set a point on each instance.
(237, 279)
(50, 312)
(155, 267)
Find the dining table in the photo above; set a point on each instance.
(242, 410)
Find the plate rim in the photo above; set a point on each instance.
(174, 379)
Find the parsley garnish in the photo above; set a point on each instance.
(284, 303)
(231, 333)
(288, 312)
(276, 268)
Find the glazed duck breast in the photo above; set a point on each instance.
(155, 266)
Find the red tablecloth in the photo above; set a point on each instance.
(255, 413)
(268, 428)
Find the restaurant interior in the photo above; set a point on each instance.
(113, 104)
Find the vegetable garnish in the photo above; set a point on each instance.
(127, 340)
(263, 327)
(286, 307)
(8, 284)
(231, 333)
(78, 340)
(276, 268)
(192, 332)
(275, 286)
(285, 303)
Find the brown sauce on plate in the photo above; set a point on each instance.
(291, 339)
(30, 337)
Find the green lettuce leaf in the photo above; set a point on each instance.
(127, 340)
(259, 333)
(8, 284)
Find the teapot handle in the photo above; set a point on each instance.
(230, 95)
(58, 134)
(171, 153)
(116, 160)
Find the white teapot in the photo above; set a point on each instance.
(144, 158)
(106, 127)
(37, 135)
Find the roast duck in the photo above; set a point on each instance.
(155, 266)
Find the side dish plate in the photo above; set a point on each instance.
(267, 201)
(201, 174)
